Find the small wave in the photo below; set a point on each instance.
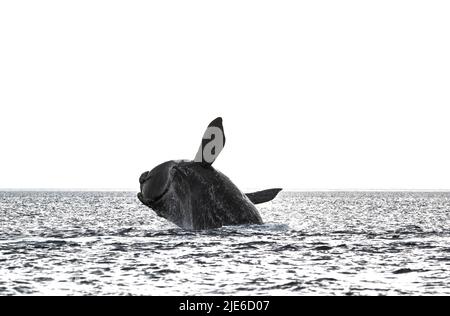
(124, 231)
(170, 232)
(119, 247)
(272, 227)
(443, 259)
(287, 248)
(321, 280)
(323, 248)
(323, 258)
(43, 279)
(293, 285)
(408, 270)
(254, 244)
(167, 271)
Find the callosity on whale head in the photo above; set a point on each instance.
(193, 195)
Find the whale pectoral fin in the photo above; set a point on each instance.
(263, 196)
(212, 143)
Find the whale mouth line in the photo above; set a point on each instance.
(159, 197)
(150, 202)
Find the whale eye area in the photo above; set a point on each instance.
(155, 184)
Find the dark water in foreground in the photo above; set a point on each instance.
(313, 243)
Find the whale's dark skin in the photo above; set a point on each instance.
(194, 195)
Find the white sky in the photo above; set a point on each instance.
(314, 94)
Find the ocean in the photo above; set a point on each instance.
(312, 243)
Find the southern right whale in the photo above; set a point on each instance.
(194, 195)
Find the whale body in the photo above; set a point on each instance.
(194, 195)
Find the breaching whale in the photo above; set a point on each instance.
(194, 195)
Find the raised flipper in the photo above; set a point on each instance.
(263, 196)
(212, 143)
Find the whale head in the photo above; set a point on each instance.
(156, 183)
(165, 190)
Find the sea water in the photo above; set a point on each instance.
(313, 243)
